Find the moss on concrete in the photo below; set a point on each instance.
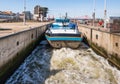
(116, 59)
(99, 49)
(7, 70)
(113, 59)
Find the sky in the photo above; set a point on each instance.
(57, 8)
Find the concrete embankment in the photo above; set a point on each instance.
(16, 46)
(104, 42)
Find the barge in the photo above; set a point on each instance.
(63, 33)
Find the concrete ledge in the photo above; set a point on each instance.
(106, 30)
(18, 27)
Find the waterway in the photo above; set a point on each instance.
(46, 65)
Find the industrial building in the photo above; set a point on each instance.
(40, 13)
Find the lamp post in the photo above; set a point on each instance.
(24, 20)
(105, 13)
(93, 13)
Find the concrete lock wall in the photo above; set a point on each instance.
(12, 45)
(108, 43)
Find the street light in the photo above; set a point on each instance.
(94, 13)
(24, 20)
(105, 13)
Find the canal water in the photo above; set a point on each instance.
(46, 65)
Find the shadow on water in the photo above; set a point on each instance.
(36, 67)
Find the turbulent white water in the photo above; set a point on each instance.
(65, 66)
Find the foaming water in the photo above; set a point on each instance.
(35, 68)
(65, 66)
